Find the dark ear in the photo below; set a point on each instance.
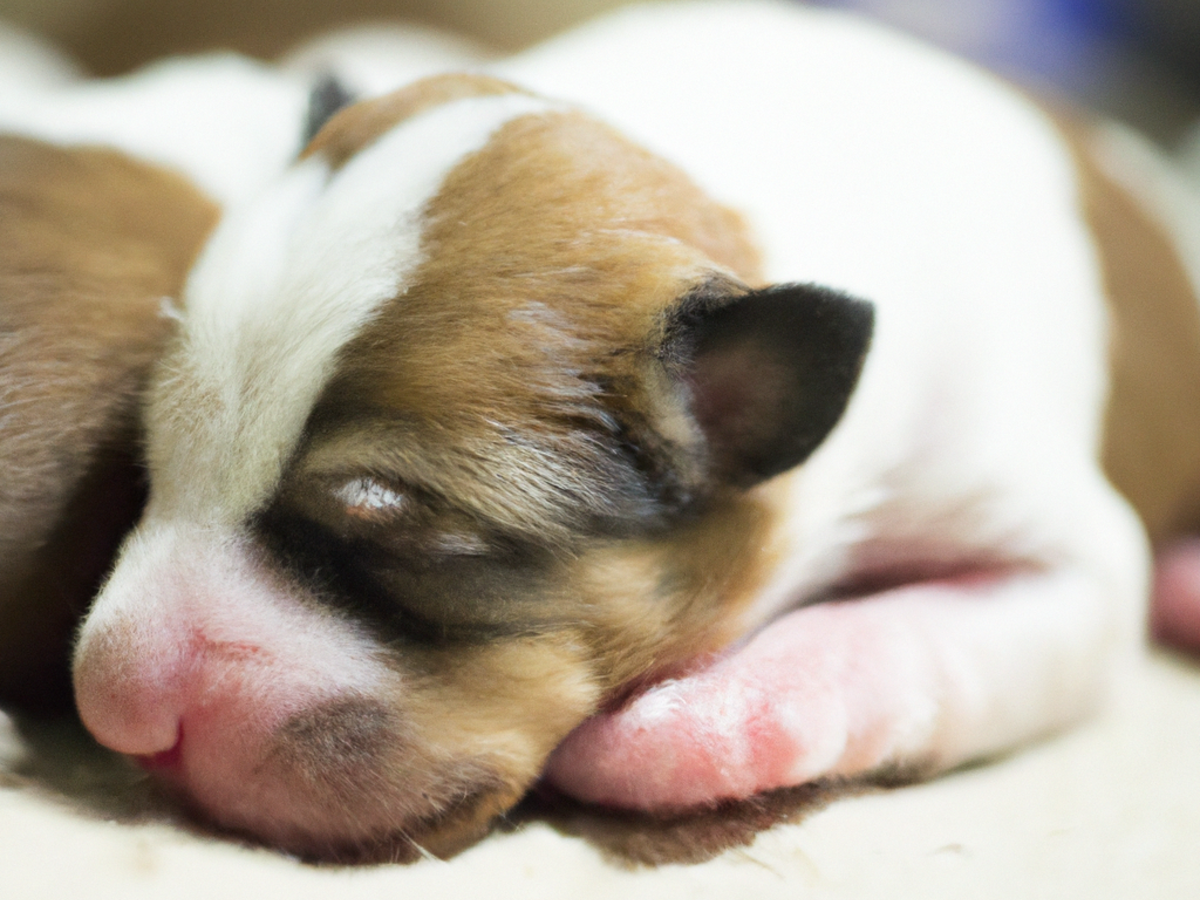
(769, 373)
(328, 96)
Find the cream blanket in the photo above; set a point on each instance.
(1110, 809)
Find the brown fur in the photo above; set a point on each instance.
(356, 127)
(523, 355)
(90, 241)
(1152, 425)
(558, 306)
(557, 303)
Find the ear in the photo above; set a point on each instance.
(768, 373)
(327, 97)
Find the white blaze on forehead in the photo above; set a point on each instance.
(281, 288)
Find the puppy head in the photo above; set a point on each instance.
(459, 441)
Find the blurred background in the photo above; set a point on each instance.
(1136, 59)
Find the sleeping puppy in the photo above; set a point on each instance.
(486, 418)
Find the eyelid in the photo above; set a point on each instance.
(460, 544)
(365, 497)
(373, 502)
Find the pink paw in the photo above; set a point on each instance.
(825, 690)
(1175, 614)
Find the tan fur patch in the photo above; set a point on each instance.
(550, 257)
(498, 390)
(1152, 424)
(361, 124)
(656, 605)
(525, 695)
(90, 241)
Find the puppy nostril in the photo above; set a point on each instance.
(165, 760)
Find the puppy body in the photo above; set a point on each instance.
(481, 416)
(952, 458)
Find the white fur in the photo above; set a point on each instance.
(370, 496)
(872, 164)
(907, 178)
(281, 288)
(227, 123)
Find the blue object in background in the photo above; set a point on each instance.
(1135, 59)
(1046, 40)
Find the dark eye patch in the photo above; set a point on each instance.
(401, 518)
(328, 564)
(426, 572)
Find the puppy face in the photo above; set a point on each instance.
(459, 441)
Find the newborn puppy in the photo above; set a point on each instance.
(483, 418)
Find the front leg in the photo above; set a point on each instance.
(924, 676)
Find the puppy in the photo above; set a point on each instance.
(485, 417)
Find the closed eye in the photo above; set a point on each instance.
(398, 519)
(366, 498)
(451, 543)
(412, 581)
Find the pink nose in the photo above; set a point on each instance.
(131, 689)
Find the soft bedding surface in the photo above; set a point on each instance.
(1110, 809)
